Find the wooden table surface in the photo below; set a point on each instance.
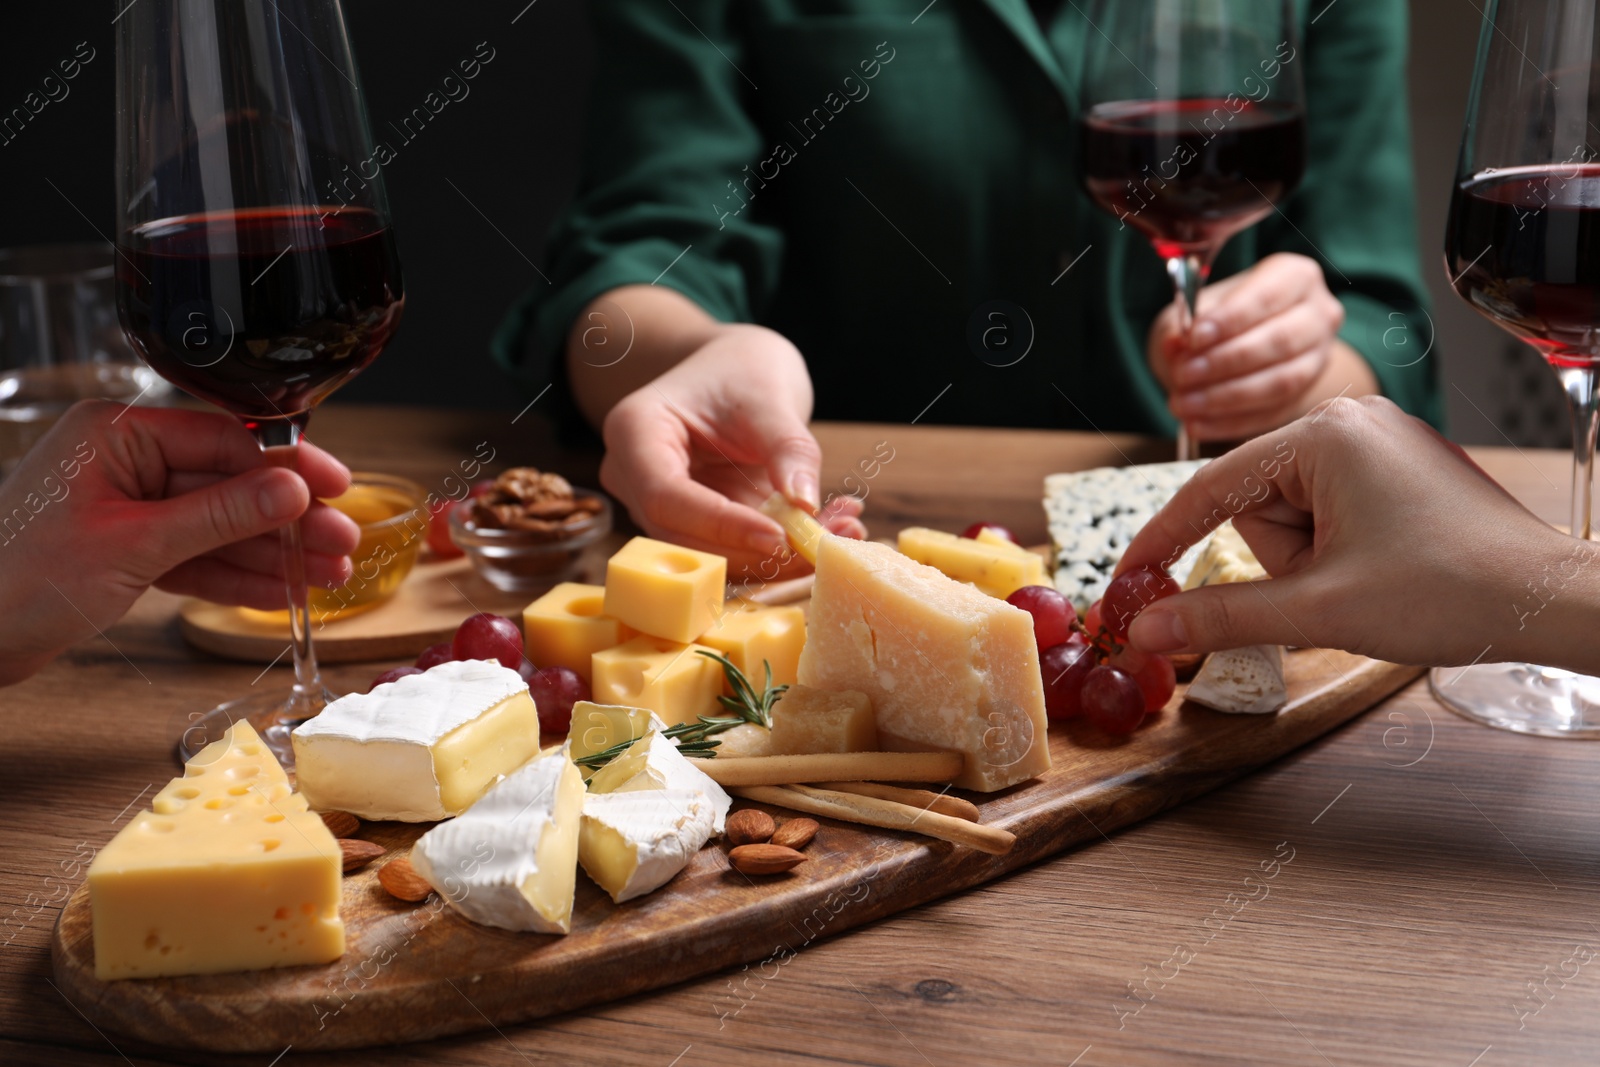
(1441, 871)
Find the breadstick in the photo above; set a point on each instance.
(870, 811)
(834, 767)
(943, 803)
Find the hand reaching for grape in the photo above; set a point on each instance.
(116, 499)
(1382, 538)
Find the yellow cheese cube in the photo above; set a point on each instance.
(998, 569)
(229, 872)
(749, 633)
(665, 590)
(816, 720)
(945, 666)
(568, 625)
(666, 677)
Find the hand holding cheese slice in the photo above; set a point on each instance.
(995, 566)
(634, 842)
(228, 871)
(511, 859)
(419, 749)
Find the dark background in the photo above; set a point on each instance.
(511, 147)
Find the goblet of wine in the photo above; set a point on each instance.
(256, 266)
(1193, 126)
(1522, 246)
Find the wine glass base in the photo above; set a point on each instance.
(268, 713)
(1523, 698)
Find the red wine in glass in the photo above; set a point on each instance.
(1189, 174)
(1523, 247)
(263, 312)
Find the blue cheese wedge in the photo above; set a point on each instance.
(1226, 558)
(511, 860)
(1246, 681)
(1094, 514)
(633, 843)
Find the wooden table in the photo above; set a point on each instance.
(1439, 867)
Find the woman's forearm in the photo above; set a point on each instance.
(627, 338)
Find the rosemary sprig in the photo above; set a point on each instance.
(694, 738)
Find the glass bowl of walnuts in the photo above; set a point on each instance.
(529, 530)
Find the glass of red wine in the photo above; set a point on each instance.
(1522, 247)
(1192, 126)
(256, 266)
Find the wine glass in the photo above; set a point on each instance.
(256, 267)
(1522, 246)
(1192, 126)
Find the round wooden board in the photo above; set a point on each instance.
(426, 609)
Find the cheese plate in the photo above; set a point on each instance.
(411, 972)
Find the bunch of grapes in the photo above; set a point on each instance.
(495, 637)
(1088, 669)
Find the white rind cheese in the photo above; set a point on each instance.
(635, 842)
(1246, 681)
(1226, 559)
(1094, 514)
(419, 749)
(511, 859)
(654, 762)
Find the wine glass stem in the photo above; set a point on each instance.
(280, 440)
(1580, 385)
(1188, 274)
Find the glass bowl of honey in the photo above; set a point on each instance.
(393, 517)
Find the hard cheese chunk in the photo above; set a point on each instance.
(997, 569)
(670, 679)
(511, 860)
(654, 762)
(229, 871)
(816, 720)
(945, 666)
(419, 749)
(751, 635)
(632, 843)
(568, 625)
(665, 590)
(1244, 680)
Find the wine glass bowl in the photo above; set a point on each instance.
(257, 268)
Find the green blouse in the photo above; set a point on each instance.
(895, 187)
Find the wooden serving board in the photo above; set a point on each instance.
(418, 971)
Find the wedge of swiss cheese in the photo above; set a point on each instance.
(945, 666)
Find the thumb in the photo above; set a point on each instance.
(1221, 616)
(792, 456)
(236, 509)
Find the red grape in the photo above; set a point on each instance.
(1052, 613)
(1130, 593)
(554, 691)
(971, 532)
(1155, 674)
(439, 531)
(394, 675)
(485, 636)
(434, 655)
(1093, 624)
(1112, 700)
(1064, 668)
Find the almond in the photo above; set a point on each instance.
(402, 880)
(341, 823)
(763, 859)
(358, 854)
(796, 833)
(749, 826)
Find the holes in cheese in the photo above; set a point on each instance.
(568, 625)
(665, 590)
(663, 676)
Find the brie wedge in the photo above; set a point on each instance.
(419, 749)
(654, 762)
(632, 843)
(1246, 680)
(597, 727)
(511, 860)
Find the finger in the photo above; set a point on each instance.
(1222, 616)
(219, 582)
(1268, 391)
(1269, 288)
(237, 509)
(792, 456)
(841, 504)
(1238, 482)
(847, 526)
(325, 476)
(1306, 325)
(328, 531)
(264, 555)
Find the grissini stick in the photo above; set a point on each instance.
(834, 767)
(871, 811)
(927, 799)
